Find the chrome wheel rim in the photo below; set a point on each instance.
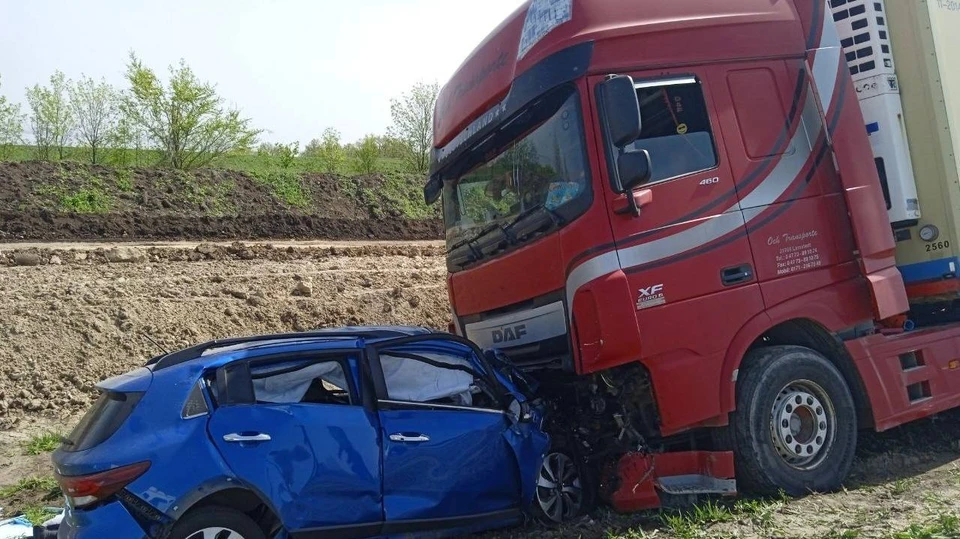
(215, 533)
(803, 424)
(559, 488)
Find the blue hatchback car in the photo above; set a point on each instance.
(360, 432)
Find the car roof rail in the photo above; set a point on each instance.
(187, 354)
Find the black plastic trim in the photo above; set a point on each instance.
(188, 354)
(435, 524)
(352, 531)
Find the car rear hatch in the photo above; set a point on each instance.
(118, 398)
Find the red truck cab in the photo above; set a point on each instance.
(664, 280)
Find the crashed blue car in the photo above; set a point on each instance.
(360, 432)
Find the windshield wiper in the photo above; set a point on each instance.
(472, 243)
(555, 218)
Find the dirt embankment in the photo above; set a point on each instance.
(74, 317)
(72, 201)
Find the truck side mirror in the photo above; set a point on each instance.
(619, 110)
(634, 169)
(433, 189)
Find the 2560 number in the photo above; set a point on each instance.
(938, 246)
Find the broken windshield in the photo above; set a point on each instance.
(534, 161)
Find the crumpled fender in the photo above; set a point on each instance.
(529, 444)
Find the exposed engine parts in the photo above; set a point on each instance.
(605, 415)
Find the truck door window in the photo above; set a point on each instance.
(676, 128)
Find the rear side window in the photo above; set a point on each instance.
(101, 421)
(676, 127)
(301, 382)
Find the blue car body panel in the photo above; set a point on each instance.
(326, 466)
(321, 467)
(110, 520)
(465, 468)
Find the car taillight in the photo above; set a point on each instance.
(86, 490)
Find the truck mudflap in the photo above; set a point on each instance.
(635, 481)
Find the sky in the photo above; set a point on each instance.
(295, 67)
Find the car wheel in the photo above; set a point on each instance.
(564, 489)
(795, 428)
(216, 523)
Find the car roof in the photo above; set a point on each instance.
(345, 337)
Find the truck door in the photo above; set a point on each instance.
(789, 191)
(686, 256)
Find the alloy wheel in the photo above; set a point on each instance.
(559, 488)
(216, 533)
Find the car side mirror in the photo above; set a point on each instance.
(634, 168)
(433, 189)
(619, 110)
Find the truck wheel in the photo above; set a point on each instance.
(795, 428)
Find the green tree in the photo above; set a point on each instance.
(96, 108)
(51, 117)
(368, 154)
(11, 127)
(331, 153)
(126, 142)
(286, 154)
(413, 124)
(185, 118)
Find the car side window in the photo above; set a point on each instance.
(302, 382)
(676, 127)
(432, 377)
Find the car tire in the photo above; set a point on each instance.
(795, 428)
(232, 524)
(566, 488)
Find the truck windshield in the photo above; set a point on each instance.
(535, 161)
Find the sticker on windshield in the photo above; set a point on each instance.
(542, 17)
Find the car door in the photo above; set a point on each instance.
(294, 429)
(451, 456)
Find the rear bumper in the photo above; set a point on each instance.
(109, 520)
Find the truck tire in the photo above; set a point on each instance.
(795, 428)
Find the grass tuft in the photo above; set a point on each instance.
(286, 186)
(43, 443)
(91, 200)
(42, 484)
(945, 526)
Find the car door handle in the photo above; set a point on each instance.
(409, 438)
(237, 438)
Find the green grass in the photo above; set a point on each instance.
(91, 200)
(945, 526)
(42, 484)
(37, 514)
(285, 185)
(42, 443)
(124, 179)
